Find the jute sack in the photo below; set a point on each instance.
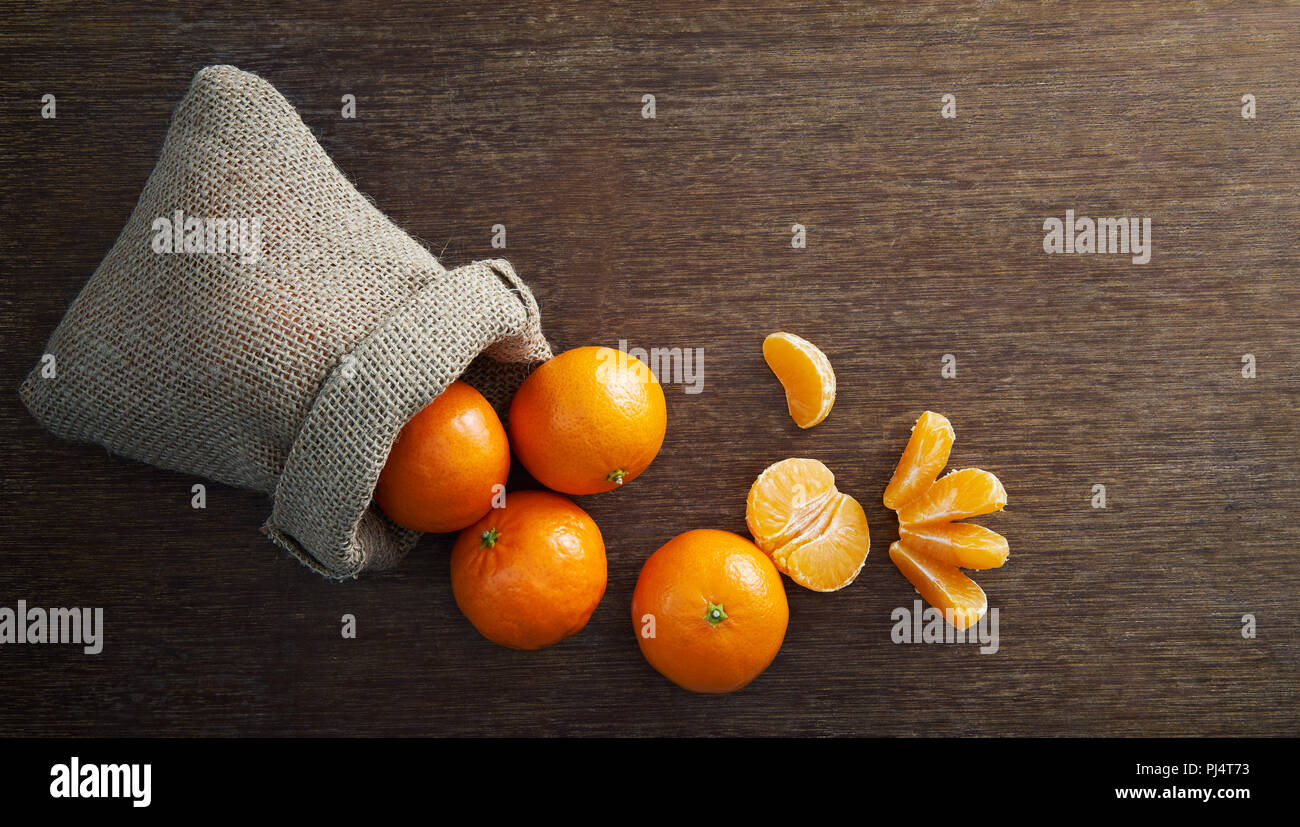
(289, 365)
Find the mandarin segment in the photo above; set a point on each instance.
(944, 587)
(832, 556)
(966, 545)
(969, 492)
(923, 460)
(806, 375)
(446, 464)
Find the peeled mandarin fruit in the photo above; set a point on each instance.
(966, 545)
(944, 587)
(923, 460)
(446, 465)
(932, 549)
(969, 492)
(805, 373)
(709, 611)
(589, 420)
(813, 533)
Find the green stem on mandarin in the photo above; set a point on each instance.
(714, 614)
(616, 476)
(489, 538)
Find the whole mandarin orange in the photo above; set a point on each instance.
(709, 611)
(442, 471)
(589, 420)
(530, 574)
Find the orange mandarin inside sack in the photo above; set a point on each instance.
(448, 462)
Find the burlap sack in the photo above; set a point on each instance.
(289, 366)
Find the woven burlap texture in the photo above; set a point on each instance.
(290, 366)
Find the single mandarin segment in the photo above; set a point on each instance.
(806, 375)
(814, 533)
(966, 545)
(944, 587)
(923, 460)
(969, 492)
(530, 574)
(589, 420)
(446, 464)
(830, 558)
(709, 611)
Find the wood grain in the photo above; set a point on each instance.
(924, 238)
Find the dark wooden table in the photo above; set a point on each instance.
(924, 238)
